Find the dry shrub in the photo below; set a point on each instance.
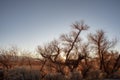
(22, 74)
(54, 76)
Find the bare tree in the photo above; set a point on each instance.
(68, 46)
(101, 45)
(111, 62)
(26, 58)
(9, 57)
(72, 44)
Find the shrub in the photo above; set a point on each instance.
(22, 74)
(55, 76)
(76, 75)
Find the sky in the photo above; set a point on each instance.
(29, 23)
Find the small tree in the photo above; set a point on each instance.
(101, 45)
(111, 62)
(68, 47)
(9, 57)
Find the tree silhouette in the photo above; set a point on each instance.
(68, 45)
(102, 46)
(8, 57)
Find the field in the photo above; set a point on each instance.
(32, 70)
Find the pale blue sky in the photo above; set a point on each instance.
(28, 23)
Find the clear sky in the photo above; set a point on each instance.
(28, 23)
